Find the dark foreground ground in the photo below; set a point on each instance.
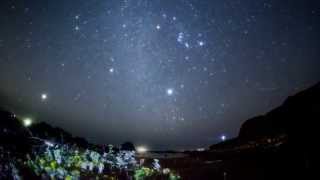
(260, 162)
(249, 166)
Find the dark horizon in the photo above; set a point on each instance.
(168, 75)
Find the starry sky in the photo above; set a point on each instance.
(169, 74)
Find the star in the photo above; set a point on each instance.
(44, 97)
(111, 70)
(170, 92)
(77, 28)
(200, 43)
(158, 27)
(164, 16)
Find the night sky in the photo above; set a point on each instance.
(162, 73)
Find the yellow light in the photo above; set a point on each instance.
(142, 149)
(27, 122)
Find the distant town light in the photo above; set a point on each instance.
(223, 137)
(201, 149)
(27, 122)
(142, 149)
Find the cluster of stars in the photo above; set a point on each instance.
(185, 39)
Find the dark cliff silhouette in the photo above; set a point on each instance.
(293, 125)
(296, 117)
(57, 135)
(13, 135)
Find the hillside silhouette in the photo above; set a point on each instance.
(288, 130)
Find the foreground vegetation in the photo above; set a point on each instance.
(51, 161)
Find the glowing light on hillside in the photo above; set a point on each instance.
(48, 143)
(27, 122)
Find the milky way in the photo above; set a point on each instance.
(167, 74)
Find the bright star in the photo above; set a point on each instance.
(158, 27)
(201, 43)
(169, 92)
(111, 70)
(44, 97)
